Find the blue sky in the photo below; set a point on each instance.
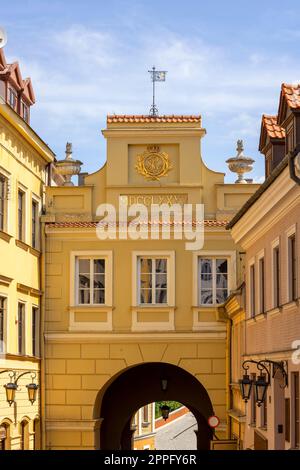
(225, 60)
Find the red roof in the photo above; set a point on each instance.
(292, 95)
(143, 118)
(207, 223)
(274, 131)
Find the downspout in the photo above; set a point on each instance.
(228, 376)
(42, 339)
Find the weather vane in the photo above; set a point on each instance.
(156, 76)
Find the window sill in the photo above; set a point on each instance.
(151, 306)
(5, 236)
(90, 307)
(22, 245)
(20, 357)
(145, 424)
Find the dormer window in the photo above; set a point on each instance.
(13, 98)
(25, 112)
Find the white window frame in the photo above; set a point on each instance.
(24, 337)
(6, 222)
(5, 335)
(37, 331)
(291, 232)
(74, 277)
(231, 276)
(261, 294)
(23, 189)
(275, 244)
(37, 200)
(170, 257)
(252, 298)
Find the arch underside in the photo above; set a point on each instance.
(139, 385)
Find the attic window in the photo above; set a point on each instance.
(13, 99)
(25, 112)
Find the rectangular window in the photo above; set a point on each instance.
(13, 99)
(3, 191)
(25, 112)
(296, 411)
(34, 224)
(35, 331)
(91, 281)
(252, 291)
(261, 285)
(153, 280)
(287, 411)
(21, 215)
(276, 276)
(2, 323)
(213, 280)
(146, 414)
(21, 329)
(292, 267)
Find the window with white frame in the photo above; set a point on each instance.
(261, 268)
(3, 307)
(91, 273)
(35, 332)
(21, 215)
(21, 329)
(152, 280)
(34, 223)
(3, 201)
(276, 277)
(292, 268)
(213, 280)
(252, 295)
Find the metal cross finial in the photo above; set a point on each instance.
(156, 76)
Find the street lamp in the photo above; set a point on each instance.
(245, 386)
(165, 411)
(261, 386)
(262, 382)
(12, 386)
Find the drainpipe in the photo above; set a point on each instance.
(42, 340)
(228, 375)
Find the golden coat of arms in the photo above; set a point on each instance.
(153, 164)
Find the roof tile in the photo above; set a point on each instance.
(207, 223)
(121, 118)
(273, 129)
(292, 95)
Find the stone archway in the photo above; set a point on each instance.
(139, 385)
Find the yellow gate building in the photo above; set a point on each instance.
(128, 322)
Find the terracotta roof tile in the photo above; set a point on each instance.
(207, 223)
(292, 95)
(274, 131)
(143, 118)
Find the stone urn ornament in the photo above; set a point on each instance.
(240, 164)
(68, 167)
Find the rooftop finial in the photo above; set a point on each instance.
(69, 151)
(240, 164)
(156, 76)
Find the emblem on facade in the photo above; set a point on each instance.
(153, 164)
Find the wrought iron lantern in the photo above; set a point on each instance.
(246, 387)
(165, 411)
(261, 386)
(32, 391)
(263, 381)
(10, 389)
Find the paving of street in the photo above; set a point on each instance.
(177, 435)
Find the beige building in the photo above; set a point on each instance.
(133, 321)
(24, 164)
(143, 427)
(267, 228)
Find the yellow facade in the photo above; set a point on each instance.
(86, 346)
(23, 161)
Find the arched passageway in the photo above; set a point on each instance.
(138, 385)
